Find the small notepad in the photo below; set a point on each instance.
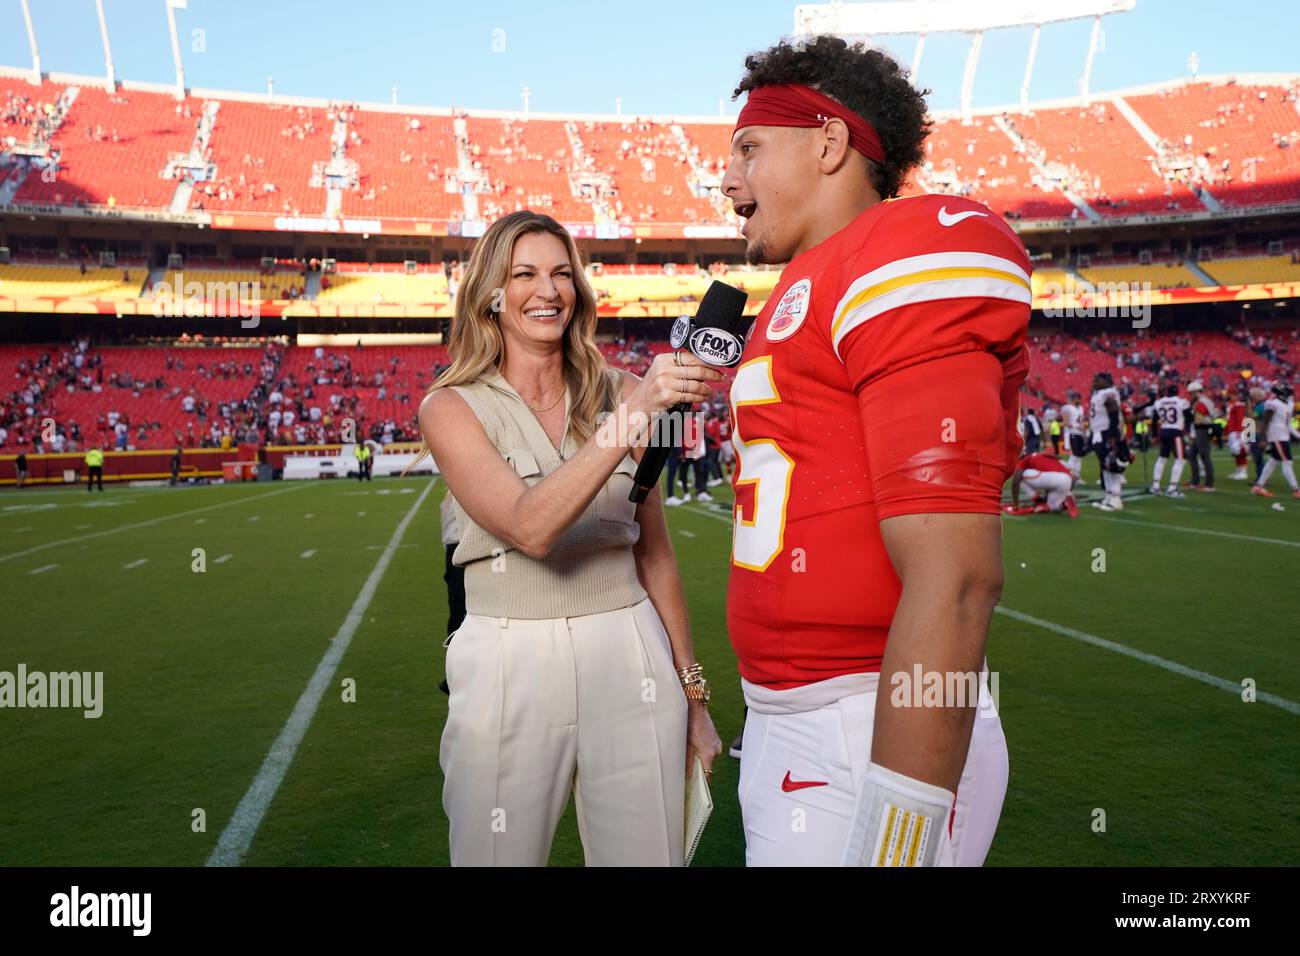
(699, 806)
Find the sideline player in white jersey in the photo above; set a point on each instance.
(1106, 422)
(1278, 434)
(1072, 426)
(1170, 413)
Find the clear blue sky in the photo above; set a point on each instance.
(660, 56)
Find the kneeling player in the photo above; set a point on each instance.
(1043, 475)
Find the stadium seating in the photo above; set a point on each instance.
(267, 144)
(251, 283)
(1160, 275)
(1255, 130)
(375, 288)
(401, 166)
(1106, 160)
(24, 281)
(650, 170)
(985, 165)
(215, 376)
(526, 164)
(113, 149)
(529, 163)
(1251, 269)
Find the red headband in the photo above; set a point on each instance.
(797, 105)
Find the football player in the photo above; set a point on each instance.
(1278, 433)
(1170, 411)
(1072, 423)
(874, 418)
(1046, 475)
(1237, 447)
(1106, 421)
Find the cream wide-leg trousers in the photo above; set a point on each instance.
(590, 704)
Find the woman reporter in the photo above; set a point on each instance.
(567, 671)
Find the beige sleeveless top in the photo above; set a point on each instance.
(591, 568)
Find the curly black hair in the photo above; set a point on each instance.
(867, 81)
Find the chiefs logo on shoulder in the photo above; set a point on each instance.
(790, 311)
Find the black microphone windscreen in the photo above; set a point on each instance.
(723, 307)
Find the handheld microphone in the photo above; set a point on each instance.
(716, 336)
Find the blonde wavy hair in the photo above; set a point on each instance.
(477, 345)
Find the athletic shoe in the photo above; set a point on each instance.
(1238, 475)
(704, 496)
(1071, 506)
(1174, 493)
(1296, 493)
(1155, 490)
(1205, 488)
(686, 498)
(1113, 503)
(1194, 487)
(734, 750)
(713, 482)
(672, 501)
(1262, 492)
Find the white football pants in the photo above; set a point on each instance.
(800, 774)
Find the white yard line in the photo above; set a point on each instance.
(142, 524)
(1216, 534)
(223, 559)
(135, 564)
(43, 569)
(1171, 666)
(308, 553)
(239, 832)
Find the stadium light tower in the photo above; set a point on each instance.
(109, 76)
(860, 21)
(31, 41)
(172, 6)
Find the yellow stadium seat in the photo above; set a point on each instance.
(1253, 269)
(39, 281)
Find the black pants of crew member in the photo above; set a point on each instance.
(455, 579)
(674, 462)
(712, 469)
(363, 470)
(695, 465)
(1201, 453)
(1257, 457)
(95, 474)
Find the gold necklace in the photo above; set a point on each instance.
(548, 407)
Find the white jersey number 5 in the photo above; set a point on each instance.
(761, 463)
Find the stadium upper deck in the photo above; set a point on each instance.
(240, 161)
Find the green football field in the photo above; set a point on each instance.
(1121, 690)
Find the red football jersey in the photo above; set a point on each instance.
(1236, 416)
(1039, 462)
(880, 379)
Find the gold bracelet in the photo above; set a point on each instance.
(690, 673)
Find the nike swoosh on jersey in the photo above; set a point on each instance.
(947, 218)
(790, 786)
